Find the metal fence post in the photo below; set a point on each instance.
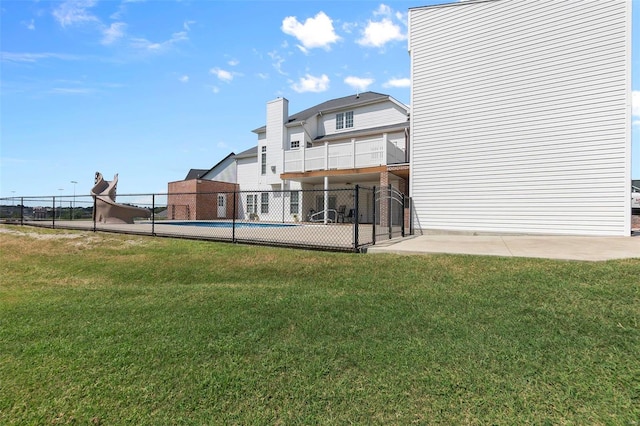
(373, 228)
(356, 244)
(404, 198)
(389, 212)
(233, 220)
(153, 215)
(94, 214)
(21, 211)
(53, 222)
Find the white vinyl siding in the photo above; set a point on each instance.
(277, 114)
(365, 117)
(224, 172)
(520, 117)
(247, 169)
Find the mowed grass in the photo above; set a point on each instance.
(115, 329)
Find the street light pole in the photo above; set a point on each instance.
(74, 199)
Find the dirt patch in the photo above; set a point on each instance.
(40, 236)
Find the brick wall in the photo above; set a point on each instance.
(197, 199)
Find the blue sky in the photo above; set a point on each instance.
(151, 89)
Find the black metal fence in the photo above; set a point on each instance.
(348, 219)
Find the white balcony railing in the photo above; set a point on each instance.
(347, 155)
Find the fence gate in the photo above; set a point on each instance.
(389, 213)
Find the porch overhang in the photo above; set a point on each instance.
(362, 174)
(400, 170)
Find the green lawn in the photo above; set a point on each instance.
(115, 329)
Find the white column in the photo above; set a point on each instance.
(353, 153)
(326, 199)
(304, 156)
(385, 142)
(326, 155)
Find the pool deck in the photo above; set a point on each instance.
(544, 246)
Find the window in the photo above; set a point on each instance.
(252, 201)
(263, 161)
(344, 120)
(294, 202)
(348, 119)
(295, 144)
(264, 202)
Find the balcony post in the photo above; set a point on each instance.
(304, 155)
(385, 142)
(326, 155)
(353, 153)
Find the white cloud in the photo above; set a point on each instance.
(223, 75)
(71, 91)
(113, 33)
(184, 79)
(309, 83)
(398, 82)
(187, 25)
(635, 103)
(263, 75)
(74, 12)
(233, 62)
(144, 44)
(34, 57)
(383, 10)
(359, 83)
(377, 34)
(315, 32)
(31, 25)
(349, 27)
(277, 62)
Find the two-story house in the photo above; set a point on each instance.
(360, 139)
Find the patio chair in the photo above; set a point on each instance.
(332, 215)
(351, 215)
(341, 211)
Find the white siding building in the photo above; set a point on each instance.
(360, 139)
(521, 116)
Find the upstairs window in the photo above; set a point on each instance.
(295, 144)
(263, 161)
(348, 118)
(344, 120)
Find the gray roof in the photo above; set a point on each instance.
(195, 173)
(251, 152)
(333, 104)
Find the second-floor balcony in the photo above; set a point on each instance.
(345, 155)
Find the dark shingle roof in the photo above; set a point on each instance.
(195, 173)
(251, 152)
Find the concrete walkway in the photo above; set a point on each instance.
(549, 247)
